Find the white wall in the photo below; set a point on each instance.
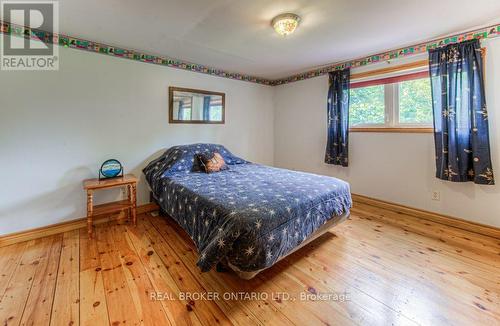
(389, 166)
(56, 128)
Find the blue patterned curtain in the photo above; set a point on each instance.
(180, 112)
(338, 118)
(460, 117)
(206, 108)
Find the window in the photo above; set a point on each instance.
(396, 102)
(367, 105)
(415, 101)
(215, 109)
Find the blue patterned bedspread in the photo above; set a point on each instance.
(249, 215)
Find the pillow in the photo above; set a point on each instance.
(209, 149)
(211, 163)
(182, 159)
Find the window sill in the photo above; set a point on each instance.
(394, 129)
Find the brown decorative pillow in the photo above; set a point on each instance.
(211, 162)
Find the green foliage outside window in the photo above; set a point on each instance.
(186, 114)
(415, 101)
(366, 105)
(215, 113)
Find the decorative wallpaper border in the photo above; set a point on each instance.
(81, 44)
(487, 32)
(76, 43)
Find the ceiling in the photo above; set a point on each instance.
(236, 36)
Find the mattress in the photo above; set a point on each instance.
(250, 215)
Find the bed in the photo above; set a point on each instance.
(249, 216)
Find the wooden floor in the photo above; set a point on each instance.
(378, 268)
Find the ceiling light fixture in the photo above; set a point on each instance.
(285, 24)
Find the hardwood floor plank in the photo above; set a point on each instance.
(268, 310)
(396, 270)
(421, 278)
(207, 311)
(93, 306)
(167, 291)
(121, 306)
(295, 277)
(303, 312)
(13, 300)
(66, 306)
(10, 258)
(150, 311)
(39, 305)
(433, 251)
(431, 228)
(376, 281)
(264, 311)
(481, 248)
(361, 307)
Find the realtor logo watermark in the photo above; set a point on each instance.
(23, 53)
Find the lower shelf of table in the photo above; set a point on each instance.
(115, 206)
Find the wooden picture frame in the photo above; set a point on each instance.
(171, 93)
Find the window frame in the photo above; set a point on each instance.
(391, 99)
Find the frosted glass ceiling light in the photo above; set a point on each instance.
(285, 24)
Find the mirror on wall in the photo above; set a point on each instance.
(195, 106)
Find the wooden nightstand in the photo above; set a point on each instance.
(129, 205)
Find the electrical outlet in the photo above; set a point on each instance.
(436, 195)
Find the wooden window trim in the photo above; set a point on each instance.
(391, 80)
(412, 130)
(387, 70)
